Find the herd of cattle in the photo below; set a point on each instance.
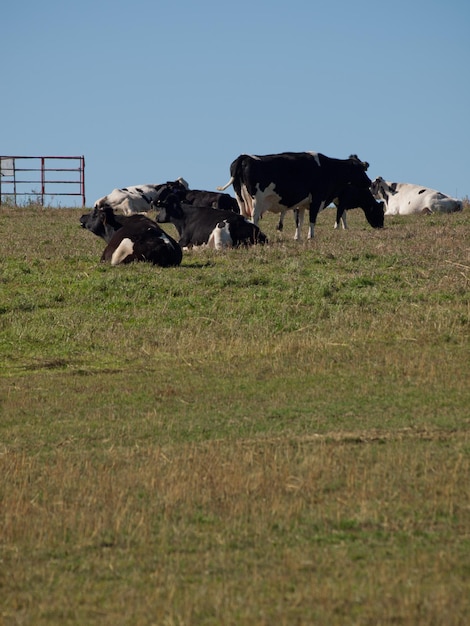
(278, 183)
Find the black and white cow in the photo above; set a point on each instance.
(199, 226)
(351, 197)
(129, 200)
(201, 198)
(132, 238)
(103, 222)
(133, 199)
(291, 180)
(407, 199)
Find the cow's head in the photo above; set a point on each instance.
(92, 220)
(375, 214)
(364, 164)
(176, 188)
(101, 222)
(168, 207)
(379, 188)
(358, 176)
(373, 210)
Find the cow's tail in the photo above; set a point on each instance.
(235, 173)
(224, 187)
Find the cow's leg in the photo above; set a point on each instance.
(341, 219)
(248, 203)
(315, 207)
(241, 204)
(280, 224)
(299, 222)
(255, 211)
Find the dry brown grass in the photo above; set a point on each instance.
(359, 527)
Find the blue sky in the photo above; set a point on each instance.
(152, 90)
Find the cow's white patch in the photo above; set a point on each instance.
(183, 182)
(316, 157)
(270, 200)
(124, 249)
(220, 237)
(165, 239)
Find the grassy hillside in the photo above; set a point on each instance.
(275, 435)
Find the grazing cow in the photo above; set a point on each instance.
(206, 226)
(200, 198)
(135, 199)
(407, 199)
(351, 197)
(132, 238)
(291, 180)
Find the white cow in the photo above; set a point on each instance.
(130, 200)
(407, 199)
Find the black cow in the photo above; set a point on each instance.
(199, 197)
(204, 225)
(350, 198)
(132, 238)
(291, 180)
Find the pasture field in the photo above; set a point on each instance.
(266, 436)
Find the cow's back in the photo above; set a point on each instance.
(297, 178)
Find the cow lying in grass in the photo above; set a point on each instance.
(199, 197)
(409, 199)
(129, 200)
(138, 198)
(198, 226)
(132, 238)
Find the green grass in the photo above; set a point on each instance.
(276, 435)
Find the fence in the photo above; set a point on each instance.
(51, 174)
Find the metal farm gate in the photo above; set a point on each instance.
(51, 176)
